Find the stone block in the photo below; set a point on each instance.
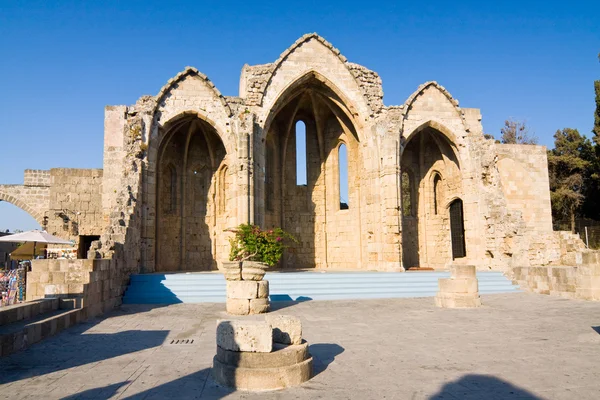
(237, 306)
(56, 290)
(462, 271)
(242, 289)
(589, 270)
(588, 294)
(287, 329)
(263, 289)
(459, 285)
(259, 306)
(250, 336)
(457, 300)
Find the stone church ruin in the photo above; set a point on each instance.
(377, 187)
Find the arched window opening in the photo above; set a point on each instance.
(407, 195)
(437, 181)
(301, 162)
(343, 176)
(269, 175)
(223, 189)
(172, 189)
(457, 229)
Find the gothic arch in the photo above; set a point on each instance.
(452, 140)
(327, 89)
(410, 102)
(189, 71)
(339, 74)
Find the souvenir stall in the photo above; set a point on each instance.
(13, 280)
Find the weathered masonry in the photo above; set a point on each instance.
(307, 145)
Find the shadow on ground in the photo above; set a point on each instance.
(201, 383)
(483, 387)
(105, 392)
(280, 301)
(323, 355)
(597, 329)
(75, 348)
(192, 386)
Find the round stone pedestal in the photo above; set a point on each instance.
(285, 366)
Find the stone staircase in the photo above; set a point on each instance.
(22, 325)
(209, 287)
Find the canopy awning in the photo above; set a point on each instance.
(34, 236)
(25, 251)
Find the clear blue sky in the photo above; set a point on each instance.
(62, 62)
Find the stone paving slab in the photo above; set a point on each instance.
(517, 346)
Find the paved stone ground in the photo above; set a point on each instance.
(518, 346)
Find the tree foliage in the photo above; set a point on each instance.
(568, 166)
(574, 171)
(517, 132)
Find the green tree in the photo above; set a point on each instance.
(568, 164)
(591, 206)
(516, 132)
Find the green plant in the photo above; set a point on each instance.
(254, 244)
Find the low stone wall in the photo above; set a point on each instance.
(574, 282)
(99, 283)
(559, 280)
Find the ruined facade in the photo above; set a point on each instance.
(377, 187)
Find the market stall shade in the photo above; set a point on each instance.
(25, 252)
(34, 236)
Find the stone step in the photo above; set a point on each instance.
(210, 287)
(22, 334)
(23, 311)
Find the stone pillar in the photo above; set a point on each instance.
(114, 154)
(247, 297)
(461, 290)
(243, 127)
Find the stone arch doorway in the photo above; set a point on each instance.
(189, 191)
(430, 176)
(327, 229)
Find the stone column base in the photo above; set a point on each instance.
(461, 290)
(457, 300)
(284, 367)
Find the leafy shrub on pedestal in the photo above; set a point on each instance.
(251, 243)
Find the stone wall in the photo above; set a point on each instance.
(99, 284)
(75, 207)
(525, 185)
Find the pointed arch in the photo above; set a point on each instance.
(327, 61)
(450, 137)
(326, 88)
(408, 104)
(189, 71)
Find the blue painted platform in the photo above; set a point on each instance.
(209, 287)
